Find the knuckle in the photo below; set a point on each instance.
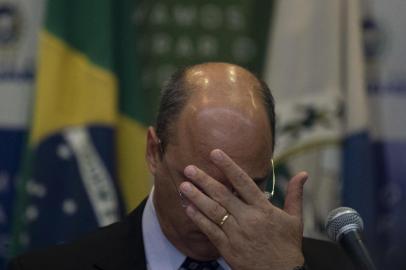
(216, 209)
(241, 176)
(256, 220)
(227, 164)
(194, 193)
(202, 176)
(239, 180)
(253, 220)
(226, 200)
(216, 238)
(219, 192)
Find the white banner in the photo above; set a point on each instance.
(314, 69)
(20, 21)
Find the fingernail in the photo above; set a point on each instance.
(186, 187)
(217, 155)
(190, 171)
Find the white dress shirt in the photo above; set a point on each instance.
(159, 252)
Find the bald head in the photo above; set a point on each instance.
(221, 94)
(205, 107)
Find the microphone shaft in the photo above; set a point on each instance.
(353, 245)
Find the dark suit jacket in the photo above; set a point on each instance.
(120, 247)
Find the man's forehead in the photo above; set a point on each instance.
(222, 124)
(246, 138)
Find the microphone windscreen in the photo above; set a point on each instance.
(341, 220)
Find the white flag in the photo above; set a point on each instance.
(314, 66)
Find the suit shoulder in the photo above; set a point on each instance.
(321, 254)
(76, 255)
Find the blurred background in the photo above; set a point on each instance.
(80, 81)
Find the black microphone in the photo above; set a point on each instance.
(344, 225)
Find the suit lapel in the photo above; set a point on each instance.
(136, 241)
(130, 255)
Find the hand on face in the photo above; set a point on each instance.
(256, 234)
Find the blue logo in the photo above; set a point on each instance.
(9, 24)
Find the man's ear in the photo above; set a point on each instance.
(153, 150)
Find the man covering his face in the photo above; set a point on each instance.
(210, 155)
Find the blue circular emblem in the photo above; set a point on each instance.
(9, 24)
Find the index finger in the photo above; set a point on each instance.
(242, 183)
(294, 195)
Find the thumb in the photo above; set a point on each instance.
(294, 195)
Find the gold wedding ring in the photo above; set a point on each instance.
(223, 220)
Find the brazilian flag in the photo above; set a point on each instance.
(85, 164)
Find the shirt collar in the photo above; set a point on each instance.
(159, 251)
